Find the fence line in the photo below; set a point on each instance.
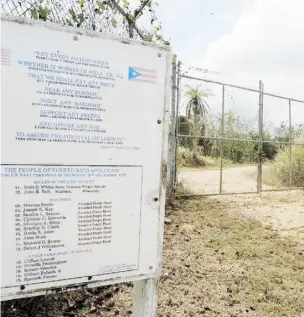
(241, 87)
(110, 18)
(102, 16)
(196, 148)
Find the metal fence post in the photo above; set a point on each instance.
(260, 152)
(178, 98)
(222, 139)
(290, 145)
(171, 146)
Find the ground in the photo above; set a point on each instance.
(218, 261)
(282, 211)
(237, 179)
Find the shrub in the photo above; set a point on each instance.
(270, 150)
(187, 158)
(283, 170)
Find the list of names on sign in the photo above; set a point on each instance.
(65, 217)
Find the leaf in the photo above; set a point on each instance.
(34, 14)
(81, 3)
(156, 4)
(148, 37)
(125, 4)
(114, 23)
(43, 13)
(73, 15)
(100, 5)
(131, 17)
(80, 19)
(159, 37)
(68, 22)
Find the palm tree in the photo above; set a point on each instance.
(197, 109)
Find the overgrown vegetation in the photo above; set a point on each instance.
(188, 158)
(282, 173)
(203, 141)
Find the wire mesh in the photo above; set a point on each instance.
(90, 15)
(240, 144)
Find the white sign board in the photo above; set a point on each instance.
(83, 120)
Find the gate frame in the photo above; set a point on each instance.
(175, 108)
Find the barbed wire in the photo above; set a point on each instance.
(102, 16)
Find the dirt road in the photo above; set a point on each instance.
(282, 211)
(239, 179)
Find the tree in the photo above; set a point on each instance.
(184, 128)
(197, 110)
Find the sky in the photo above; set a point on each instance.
(241, 42)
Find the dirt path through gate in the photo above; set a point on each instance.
(240, 179)
(282, 211)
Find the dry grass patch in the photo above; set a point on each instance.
(231, 266)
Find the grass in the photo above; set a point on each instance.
(272, 178)
(186, 158)
(283, 173)
(226, 265)
(269, 176)
(217, 263)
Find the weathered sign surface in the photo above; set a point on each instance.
(83, 121)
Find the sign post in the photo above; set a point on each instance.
(84, 121)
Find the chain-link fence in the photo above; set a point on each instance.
(232, 139)
(103, 16)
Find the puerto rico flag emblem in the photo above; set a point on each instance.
(142, 75)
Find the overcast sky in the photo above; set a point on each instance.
(244, 41)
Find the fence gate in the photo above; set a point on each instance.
(231, 139)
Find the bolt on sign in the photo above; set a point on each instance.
(83, 133)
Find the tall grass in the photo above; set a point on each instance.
(187, 158)
(285, 173)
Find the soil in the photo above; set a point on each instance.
(238, 179)
(282, 211)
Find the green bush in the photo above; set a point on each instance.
(283, 170)
(185, 128)
(270, 150)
